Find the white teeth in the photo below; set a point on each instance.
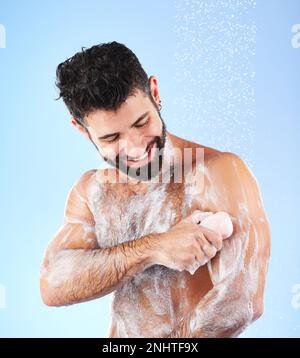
(142, 157)
(136, 160)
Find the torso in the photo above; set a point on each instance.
(153, 301)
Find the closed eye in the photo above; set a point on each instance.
(113, 139)
(142, 124)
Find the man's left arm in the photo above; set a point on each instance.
(238, 271)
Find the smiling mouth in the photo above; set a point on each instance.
(145, 155)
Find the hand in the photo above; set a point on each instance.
(188, 244)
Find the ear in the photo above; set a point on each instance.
(154, 88)
(79, 127)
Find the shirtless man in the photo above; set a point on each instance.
(140, 238)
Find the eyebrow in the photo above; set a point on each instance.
(135, 123)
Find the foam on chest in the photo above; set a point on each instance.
(121, 215)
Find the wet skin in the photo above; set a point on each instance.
(150, 299)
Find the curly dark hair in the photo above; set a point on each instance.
(100, 77)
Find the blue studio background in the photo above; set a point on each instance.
(228, 73)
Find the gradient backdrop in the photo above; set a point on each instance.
(228, 74)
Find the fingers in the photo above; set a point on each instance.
(213, 237)
(204, 252)
(199, 252)
(206, 249)
(209, 250)
(193, 268)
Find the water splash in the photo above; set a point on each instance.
(214, 73)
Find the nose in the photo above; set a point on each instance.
(133, 147)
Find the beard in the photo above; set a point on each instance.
(150, 170)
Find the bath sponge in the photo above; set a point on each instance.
(220, 222)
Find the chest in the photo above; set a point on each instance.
(122, 215)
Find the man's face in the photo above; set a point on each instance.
(132, 138)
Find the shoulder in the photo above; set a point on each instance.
(216, 160)
(82, 184)
(226, 173)
(230, 166)
(213, 158)
(234, 182)
(85, 192)
(90, 184)
(94, 176)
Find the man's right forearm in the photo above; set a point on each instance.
(76, 275)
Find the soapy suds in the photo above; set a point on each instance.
(160, 296)
(149, 295)
(121, 215)
(131, 219)
(235, 284)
